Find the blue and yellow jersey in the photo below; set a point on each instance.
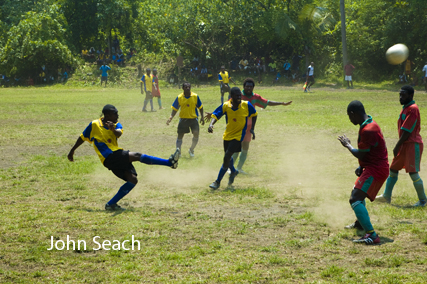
(189, 105)
(148, 82)
(236, 119)
(103, 139)
(224, 77)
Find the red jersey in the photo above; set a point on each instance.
(255, 100)
(156, 91)
(371, 140)
(410, 121)
(349, 69)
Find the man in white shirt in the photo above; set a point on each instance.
(425, 76)
(310, 77)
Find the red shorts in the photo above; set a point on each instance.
(409, 157)
(371, 180)
(248, 135)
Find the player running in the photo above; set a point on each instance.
(189, 102)
(236, 112)
(409, 149)
(104, 133)
(372, 172)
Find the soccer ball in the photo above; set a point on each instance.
(397, 54)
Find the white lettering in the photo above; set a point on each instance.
(84, 244)
(51, 243)
(123, 245)
(106, 243)
(56, 245)
(70, 241)
(135, 241)
(94, 240)
(116, 245)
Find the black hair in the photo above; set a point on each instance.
(248, 80)
(234, 91)
(356, 107)
(408, 89)
(148, 69)
(108, 108)
(154, 69)
(185, 83)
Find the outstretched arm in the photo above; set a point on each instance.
(76, 145)
(207, 117)
(254, 119)
(271, 103)
(347, 144)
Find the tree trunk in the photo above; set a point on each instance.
(343, 34)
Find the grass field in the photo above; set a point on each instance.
(283, 223)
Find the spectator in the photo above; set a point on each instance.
(425, 76)
(30, 81)
(85, 53)
(348, 69)
(104, 77)
(272, 66)
(287, 69)
(120, 58)
(295, 62)
(408, 69)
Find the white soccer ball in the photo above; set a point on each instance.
(397, 54)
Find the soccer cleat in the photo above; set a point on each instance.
(144, 110)
(242, 172)
(173, 159)
(420, 203)
(113, 207)
(153, 110)
(369, 240)
(191, 153)
(383, 199)
(214, 185)
(355, 225)
(232, 176)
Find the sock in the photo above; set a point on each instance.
(151, 104)
(179, 144)
(235, 156)
(150, 160)
(419, 187)
(391, 181)
(242, 160)
(363, 216)
(145, 104)
(231, 165)
(194, 143)
(221, 174)
(159, 100)
(124, 189)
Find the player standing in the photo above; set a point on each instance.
(148, 80)
(104, 76)
(236, 112)
(156, 88)
(104, 133)
(310, 77)
(425, 76)
(372, 170)
(409, 149)
(189, 102)
(223, 79)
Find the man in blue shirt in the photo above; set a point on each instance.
(104, 68)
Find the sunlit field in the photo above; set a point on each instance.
(281, 223)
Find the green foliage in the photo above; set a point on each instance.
(38, 39)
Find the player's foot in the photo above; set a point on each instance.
(232, 176)
(420, 203)
(113, 207)
(383, 199)
(214, 185)
(173, 159)
(242, 172)
(144, 110)
(153, 110)
(355, 225)
(228, 171)
(161, 108)
(191, 153)
(369, 240)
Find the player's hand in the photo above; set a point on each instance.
(253, 133)
(344, 140)
(208, 117)
(168, 121)
(286, 104)
(110, 125)
(210, 129)
(358, 171)
(71, 156)
(202, 122)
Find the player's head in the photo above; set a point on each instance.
(248, 86)
(356, 112)
(186, 87)
(236, 96)
(110, 113)
(148, 70)
(154, 71)
(406, 94)
(312, 63)
(222, 68)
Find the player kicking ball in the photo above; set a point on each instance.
(104, 133)
(236, 112)
(372, 171)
